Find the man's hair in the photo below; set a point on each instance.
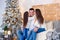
(31, 9)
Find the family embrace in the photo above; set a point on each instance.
(32, 25)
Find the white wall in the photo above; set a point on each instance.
(2, 9)
(26, 4)
(56, 1)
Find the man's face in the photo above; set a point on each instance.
(31, 12)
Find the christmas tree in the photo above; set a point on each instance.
(12, 16)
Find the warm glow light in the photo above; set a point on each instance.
(9, 32)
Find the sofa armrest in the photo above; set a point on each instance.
(42, 35)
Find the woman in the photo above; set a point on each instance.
(38, 25)
(22, 34)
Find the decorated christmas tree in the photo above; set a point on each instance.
(12, 16)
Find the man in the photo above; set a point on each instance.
(31, 20)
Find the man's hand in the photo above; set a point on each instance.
(35, 29)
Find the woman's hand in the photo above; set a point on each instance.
(35, 29)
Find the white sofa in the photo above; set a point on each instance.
(42, 35)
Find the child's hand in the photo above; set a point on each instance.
(35, 29)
